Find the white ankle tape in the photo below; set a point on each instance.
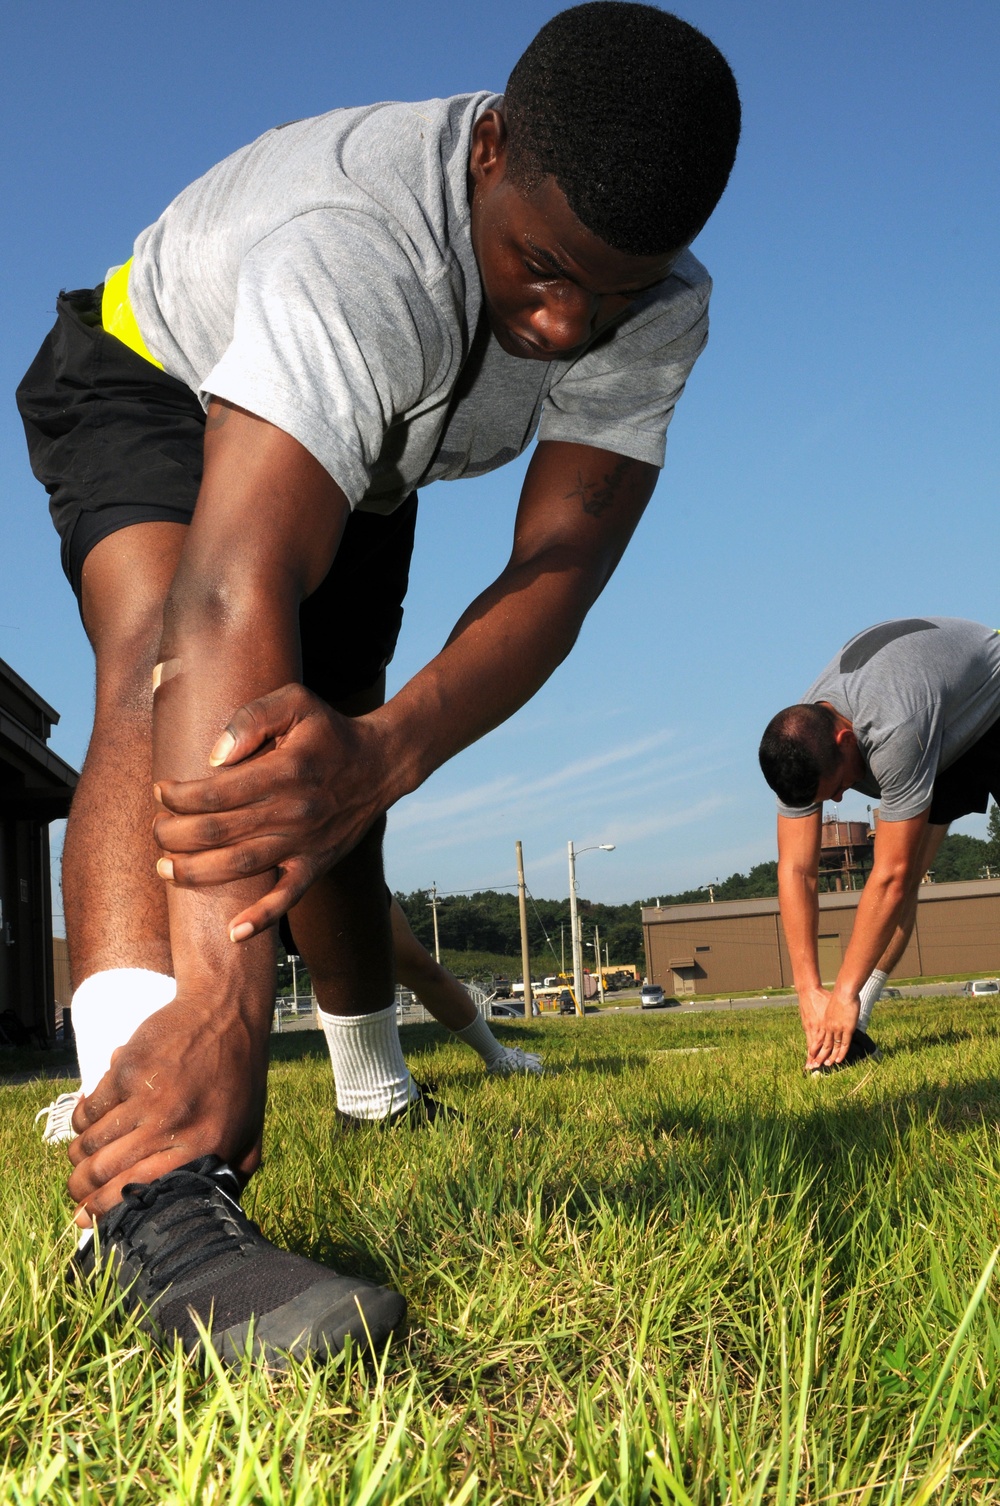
(108, 1008)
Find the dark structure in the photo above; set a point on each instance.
(36, 787)
(846, 854)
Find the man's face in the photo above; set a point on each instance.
(549, 284)
(849, 770)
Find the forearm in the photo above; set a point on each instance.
(887, 906)
(879, 922)
(798, 897)
(504, 647)
(220, 647)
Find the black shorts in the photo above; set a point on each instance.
(116, 441)
(967, 785)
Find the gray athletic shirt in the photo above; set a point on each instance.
(918, 691)
(323, 278)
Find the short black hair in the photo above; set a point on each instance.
(636, 115)
(798, 749)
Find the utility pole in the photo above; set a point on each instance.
(522, 906)
(597, 959)
(293, 959)
(562, 945)
(433, 902)
(574, 930)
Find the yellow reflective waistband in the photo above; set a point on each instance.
(117, 316)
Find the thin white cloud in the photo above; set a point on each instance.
(508, 787)
(623, 833)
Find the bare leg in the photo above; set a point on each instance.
(116, 914)
(341, 928)
(341, 925)
(440, 992)
(436, 988)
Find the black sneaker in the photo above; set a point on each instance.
(861, 1049)
(420, 1111)
(183, 1247)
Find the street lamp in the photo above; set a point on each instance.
(574, 927)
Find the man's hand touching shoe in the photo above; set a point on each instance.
(829, 1021)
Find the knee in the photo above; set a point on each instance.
(126, 652)
(126, 578)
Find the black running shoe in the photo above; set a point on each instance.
(420, 1111)
(182, 1247)
(861, 1049)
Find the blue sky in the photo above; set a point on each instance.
(833, 462)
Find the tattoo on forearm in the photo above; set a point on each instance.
(217, 416)
(597, 496)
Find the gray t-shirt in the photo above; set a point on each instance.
(324, 279)
(918, 691)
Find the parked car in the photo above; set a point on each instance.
(652, 996)
(981, 986)
(566, 1005)
(511, 1009)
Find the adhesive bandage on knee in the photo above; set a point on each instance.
(165, 671)
(369, 1068)
(869, 997)
(108, 1008)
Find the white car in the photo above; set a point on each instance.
(982, 986)
(652, 996)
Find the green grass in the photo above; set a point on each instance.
(663, 1273)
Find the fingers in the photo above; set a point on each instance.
(293, 881)
(252, 725)
(202, 832)
(107, 1096)
(829, 1049)
(226, 865)
(95, 1196)
(229, 790)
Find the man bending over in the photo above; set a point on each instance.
(232, 428)
(908, 713)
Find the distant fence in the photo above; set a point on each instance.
(301, 1013)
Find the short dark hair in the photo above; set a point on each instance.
(798, 749)
(636, 115)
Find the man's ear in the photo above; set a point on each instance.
(488, 155)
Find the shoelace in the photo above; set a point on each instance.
(58, 1125)
(204, 1229)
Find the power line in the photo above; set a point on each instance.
(541, 922)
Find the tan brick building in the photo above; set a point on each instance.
(739, 945)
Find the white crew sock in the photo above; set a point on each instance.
(369, 1068)
(108, 1008)
(480, 1037)
(869, 997)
